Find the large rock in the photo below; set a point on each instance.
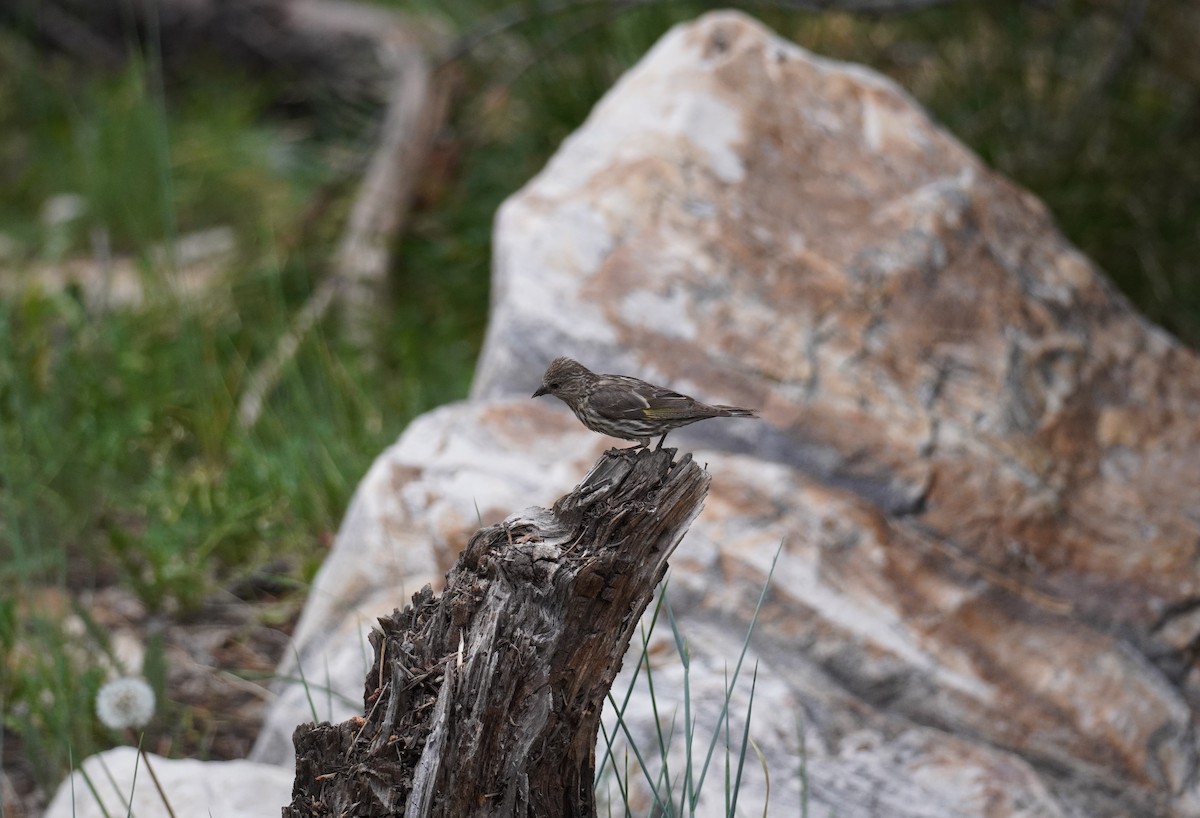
(979, 461)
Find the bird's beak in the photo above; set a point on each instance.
(541, 391)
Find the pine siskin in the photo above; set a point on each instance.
(626, 407)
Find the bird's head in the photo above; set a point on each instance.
(565, 379)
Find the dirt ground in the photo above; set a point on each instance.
(219, 664)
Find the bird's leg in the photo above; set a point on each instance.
(643, 443)
(660, 442)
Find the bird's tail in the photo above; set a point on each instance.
(736, 412)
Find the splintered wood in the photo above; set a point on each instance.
(486, 699)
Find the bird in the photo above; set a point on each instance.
(626, 407)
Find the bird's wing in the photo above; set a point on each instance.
(632, 399)
(619, 401)
(668, 405)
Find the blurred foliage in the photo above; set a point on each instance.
(121, 460)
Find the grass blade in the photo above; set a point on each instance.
(737, 781)
(738, 667)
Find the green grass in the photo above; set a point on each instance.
(118, 434)
(121, 460)
(630, 765)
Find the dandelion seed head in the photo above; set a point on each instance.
(125, 702)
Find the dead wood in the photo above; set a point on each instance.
(486, 699)
(418, 106)
(327, 44)
(418, 101)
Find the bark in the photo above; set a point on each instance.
(486, 699)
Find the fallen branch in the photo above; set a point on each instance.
(417, 107)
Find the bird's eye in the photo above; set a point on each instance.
(554, 384)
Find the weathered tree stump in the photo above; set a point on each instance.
(486, 699)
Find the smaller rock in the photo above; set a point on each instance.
(195, 789)
(62, 209)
